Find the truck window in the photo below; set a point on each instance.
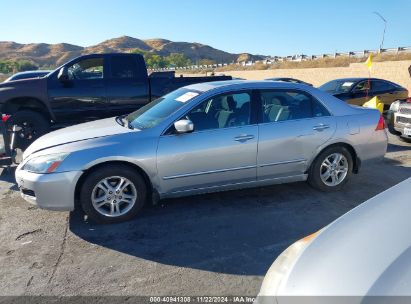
(92, 68)
(124, 67)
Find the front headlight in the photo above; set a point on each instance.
(45, 163)
(280, 268)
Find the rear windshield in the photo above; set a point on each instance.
(337, 86)
(155, 112)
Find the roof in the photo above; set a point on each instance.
(243, 84)
(357, 79)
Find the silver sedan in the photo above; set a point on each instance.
(201, 138)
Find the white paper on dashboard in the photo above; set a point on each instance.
(187, 96)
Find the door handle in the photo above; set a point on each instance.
(321, 127)
(243, 137)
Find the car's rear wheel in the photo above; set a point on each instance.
(331, 170)
(113, 193)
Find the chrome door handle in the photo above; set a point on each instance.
(243, 138)
(321, 127)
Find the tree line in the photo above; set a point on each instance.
(155, 61)
(14, 66)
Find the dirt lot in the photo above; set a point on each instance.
(218, 244)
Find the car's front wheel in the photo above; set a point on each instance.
(113, 193)
(331, 169)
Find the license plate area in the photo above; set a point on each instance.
(407, 131)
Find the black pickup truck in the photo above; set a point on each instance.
(86, 88)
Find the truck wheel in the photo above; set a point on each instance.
(113, 193)
(32, 124)
(331, 170)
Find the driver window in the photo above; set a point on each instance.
(362, 86)
(222, 111)
(92, 68)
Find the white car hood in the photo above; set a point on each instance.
(366, 252)
(89, 130)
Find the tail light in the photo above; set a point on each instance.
(381, 124)
(408, 99)
(5, 117)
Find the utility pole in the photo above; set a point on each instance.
(385, 27)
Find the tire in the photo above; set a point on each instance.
(33, 125)
(318, 180)
(112, 202)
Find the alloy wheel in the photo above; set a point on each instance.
(334, 169)
(114, 196)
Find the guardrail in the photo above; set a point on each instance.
(295, 58)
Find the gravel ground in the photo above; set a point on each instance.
(217, 244)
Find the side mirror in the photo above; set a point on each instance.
(184, 126)
(63, 75)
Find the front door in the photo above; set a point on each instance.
(293, 125)
(83, 96)
(221, 150)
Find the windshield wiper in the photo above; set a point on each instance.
(120, 120)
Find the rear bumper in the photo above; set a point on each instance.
(54, 191)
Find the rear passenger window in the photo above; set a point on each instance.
(381, 86)
(222, 111)
(282, 105)
(124, 67)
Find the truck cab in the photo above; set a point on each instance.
(98, 86)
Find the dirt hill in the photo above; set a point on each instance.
(49, 55)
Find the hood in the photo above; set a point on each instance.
(365, 252)
(22, 82)
(35, 88)
(85, 131)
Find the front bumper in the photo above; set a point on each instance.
(53, 191)
(400, 122)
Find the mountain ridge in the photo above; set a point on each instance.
(49, 55)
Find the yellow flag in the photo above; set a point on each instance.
(368, 63)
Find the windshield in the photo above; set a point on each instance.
(337, 86)
(156, 111)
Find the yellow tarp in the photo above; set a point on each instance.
(374, 103)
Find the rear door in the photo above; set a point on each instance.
(293, 124)
(387, 92)
(127, 84)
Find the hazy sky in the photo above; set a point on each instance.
(266, 27)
